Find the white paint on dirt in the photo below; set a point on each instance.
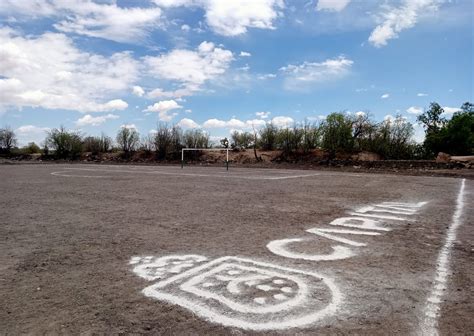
(64, 174)
(242, 297)
(361, 223)
(160, 172)
(377, 216)
(280, 247)
(430, 323)
(326, 234)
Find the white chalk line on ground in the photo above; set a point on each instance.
(61, 173)
(429, 325)
(157, 172)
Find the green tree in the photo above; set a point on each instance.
(457, 138)
(268, 136)
(433, 122)
(337, 133)
(66, 144)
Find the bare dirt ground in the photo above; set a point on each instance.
(68, 233)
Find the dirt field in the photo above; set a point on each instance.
(79, 244)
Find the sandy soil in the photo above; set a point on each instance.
(66, 242)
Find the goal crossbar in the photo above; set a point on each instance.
(205, 149)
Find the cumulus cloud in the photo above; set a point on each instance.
(231, 18)
(104, 20)
(414, 110)
(233, 123)
(393, 20)
(332, 5)
(89, 120)
(129, 126)
(282, 121)
(31, 133)
(189, 68)
(316, 72)
(385, 96)
(421, 94)
(138, 91)
(163, 108)
(188, 123)
(245, 54)
(49, 71)
(450, 110)
(262, 115)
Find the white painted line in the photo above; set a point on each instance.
(429, 325)
(376, 216)
(193, 174)
(280, 247)
(290, 177)
(61, 173)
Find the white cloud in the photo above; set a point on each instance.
(282, 121)
(31, 133)
(163, 108)
(450, 110)
(360, 113)
(255, 123)
(185, 28)
(422, 94)
(395, 19)
(332, 5)
(190, 69)
(414, 110)
(49, 71)
(103, 20)
(214, 123)
(129, 126)
(233, 123)
(95, 121)
(188, 123)
(231, 18)
(138, 91)
(316, 72)
(245, 54)
(262, 115)
(266, 76)
(385, 96)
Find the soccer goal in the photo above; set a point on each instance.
(206, 149)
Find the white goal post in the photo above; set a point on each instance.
(206, 149)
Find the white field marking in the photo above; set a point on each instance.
(62, 173)
(263, 312)
(429, 325)
(280, 248)
(158, 268)
(392, 210)
(405, 205)
(290, 177)
(365, 223)
(325, 233)
(377, 216)
(157, 172)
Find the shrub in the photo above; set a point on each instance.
(66, 144)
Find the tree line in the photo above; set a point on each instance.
(391, 138)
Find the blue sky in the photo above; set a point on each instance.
(96, 66)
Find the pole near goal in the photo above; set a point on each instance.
(206, 149)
